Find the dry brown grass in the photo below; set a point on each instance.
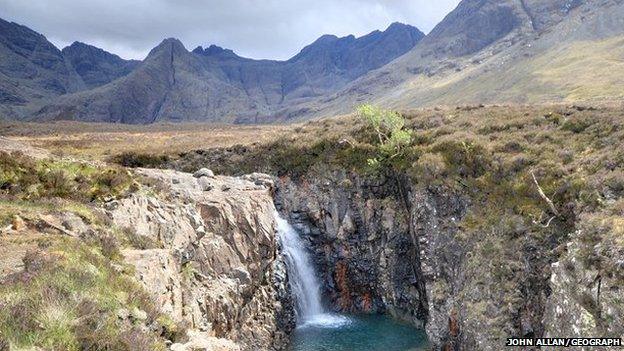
(98, 141)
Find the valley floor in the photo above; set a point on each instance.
(97, 141)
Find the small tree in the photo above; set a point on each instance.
(389, 127)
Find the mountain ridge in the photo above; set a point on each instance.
(484, 51)
(216, 85)
(96, 66)
(506, 69)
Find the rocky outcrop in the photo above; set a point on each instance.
(363, 243)
(586, 299)
(209, 256)
(389, 245)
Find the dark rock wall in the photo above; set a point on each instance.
(364, 248)
(389, 246)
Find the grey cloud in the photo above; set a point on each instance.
(275, 29)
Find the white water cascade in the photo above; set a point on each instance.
(303, 281)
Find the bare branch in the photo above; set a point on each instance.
(544, 225)
(551, 205)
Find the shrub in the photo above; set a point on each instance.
(171, 330)
(110, 182)
(576, 124)
(56, 183)
(615, 183)
(135, 159)
(137, 241)
(468, 158)
(431, 167)
(109, 246)
(388, 126)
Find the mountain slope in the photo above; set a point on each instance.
(215, 84)
(33, 70)
(95, 66)
(512, 51)
(485, 51)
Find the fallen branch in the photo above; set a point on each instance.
(544, 225)
(551, 205)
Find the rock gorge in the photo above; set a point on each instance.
(394, 247)
(379, 246)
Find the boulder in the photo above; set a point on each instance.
(242, 275)
(205, 183)
(260, 179)
(204, 172)
(17, 223)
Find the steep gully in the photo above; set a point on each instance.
(392, 247)
(319, 329)
(363, 242)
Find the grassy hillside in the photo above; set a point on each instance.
(589, 71)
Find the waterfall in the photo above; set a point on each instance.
(303, 281)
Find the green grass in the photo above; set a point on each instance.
(22, 177)
(68, 298)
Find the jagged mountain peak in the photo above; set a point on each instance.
(395, 26)
(214, 50)
(80, 45)
(96, 66)
(171, 45)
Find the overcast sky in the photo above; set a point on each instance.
(275, 29)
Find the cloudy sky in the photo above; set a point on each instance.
(275, 29)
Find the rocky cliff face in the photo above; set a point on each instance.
(361, 238)
(390, 246)
(586, 283)
(208, 254)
